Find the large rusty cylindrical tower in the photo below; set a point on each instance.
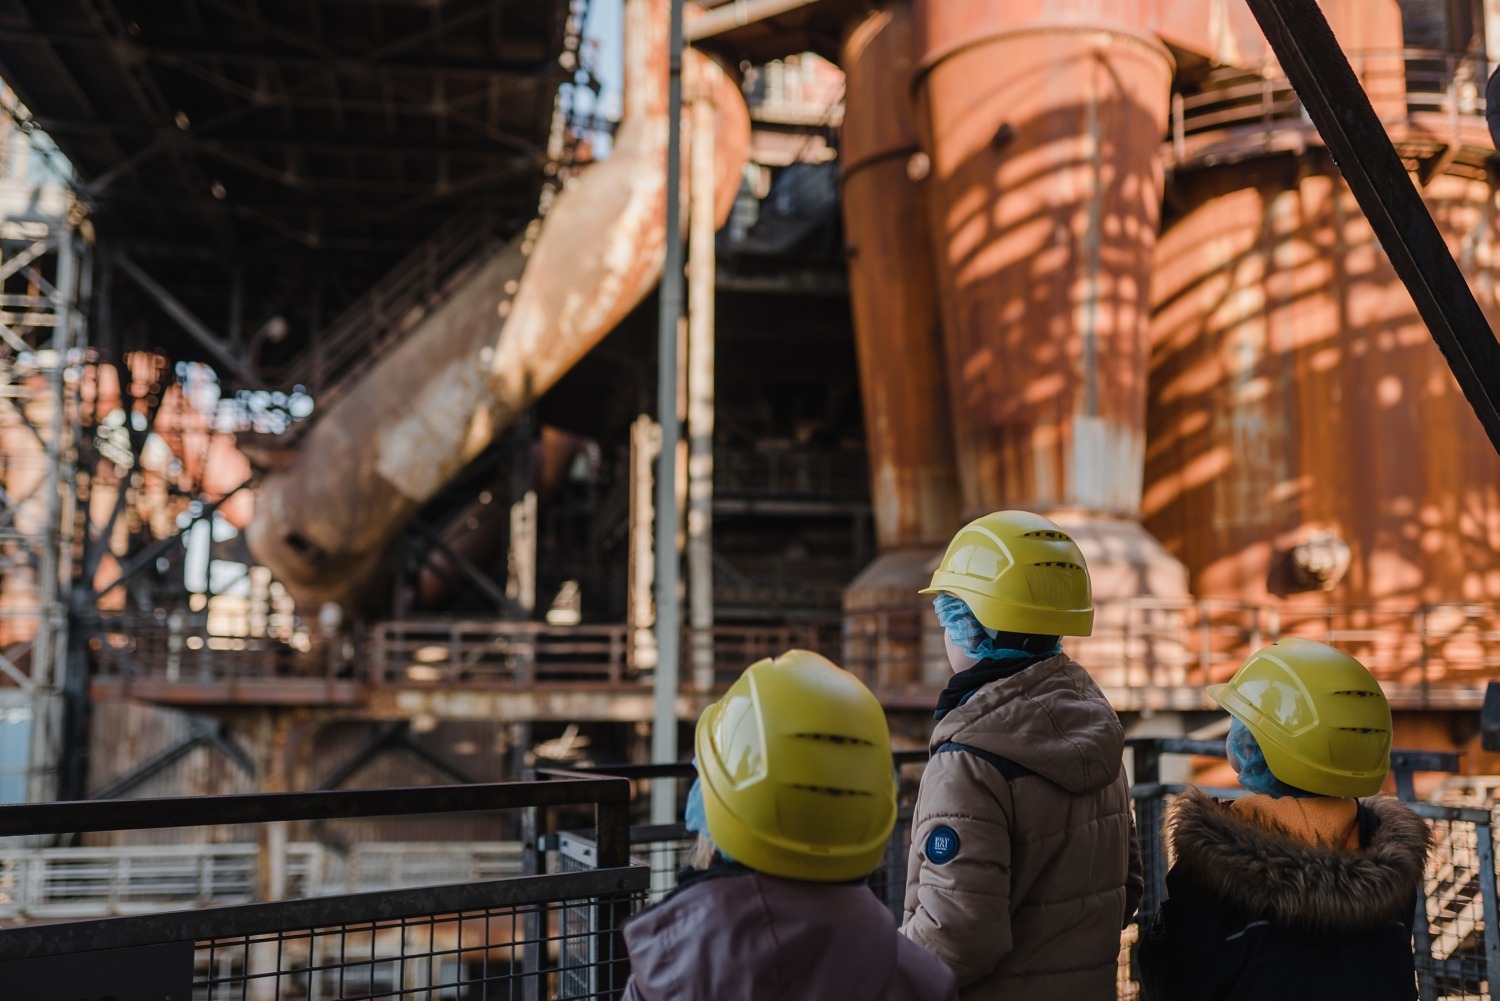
(1044, 123)
(1310, 448)
(913, 481)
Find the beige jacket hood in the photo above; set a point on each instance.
(1051, 719)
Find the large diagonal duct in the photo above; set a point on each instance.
(324, 521)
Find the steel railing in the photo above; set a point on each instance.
(509, 937)
(1256, 101)
(554, 933)
(1142, 650)
(526, 653)
(52, 883)
(1146, 647)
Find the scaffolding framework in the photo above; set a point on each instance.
(42, 283)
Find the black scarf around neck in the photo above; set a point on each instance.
(965, 683)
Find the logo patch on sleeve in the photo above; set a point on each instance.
(942, 844)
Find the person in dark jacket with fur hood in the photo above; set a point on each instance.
(1300, 890)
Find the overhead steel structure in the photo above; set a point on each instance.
(43, 276)
(244, 176)
(253, 168)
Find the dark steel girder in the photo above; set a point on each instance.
(197, 811)
(510, 145)
(252, 51)
(1338, 106)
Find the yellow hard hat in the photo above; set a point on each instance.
(1317, 713)
(795, 768)
(1018, 573)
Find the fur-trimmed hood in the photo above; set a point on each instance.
(1314, 888)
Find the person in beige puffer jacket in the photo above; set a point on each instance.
(1024, 865)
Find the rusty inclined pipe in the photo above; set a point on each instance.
(324, 522)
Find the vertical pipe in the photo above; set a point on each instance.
(49, 652)
(700, 544)
(47, 585)
(664, 732)
(1044, 135)
(645, 445)
(899, 342)
(1044, 196)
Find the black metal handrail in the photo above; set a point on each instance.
(611, 795)
(589, 907)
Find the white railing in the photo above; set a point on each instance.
(53, 883)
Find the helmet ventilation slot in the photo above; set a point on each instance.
(830, 790)
(833, 738)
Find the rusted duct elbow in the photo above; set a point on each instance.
(323, 522)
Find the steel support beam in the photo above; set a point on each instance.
(203, 733)
(195, 327)
(486, 584)
(1338, 106)
(147, 556)
(738, 14)
(664, 726)
(198, 811)
(701, 393)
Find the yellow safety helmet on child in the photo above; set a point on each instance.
(794, 763)
(1018, 573)
(1319, 716)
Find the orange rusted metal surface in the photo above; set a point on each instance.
(1298, 401)
(913, 481)
(1225, 33)
(1045, 194)
(323, 523)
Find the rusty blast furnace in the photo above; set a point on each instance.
(1151, 309)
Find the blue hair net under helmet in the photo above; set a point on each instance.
(1246, 757)
(966, 632)
(696, 817)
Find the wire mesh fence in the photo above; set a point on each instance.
(524, 937)
(475, 955)
(1456, 936)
